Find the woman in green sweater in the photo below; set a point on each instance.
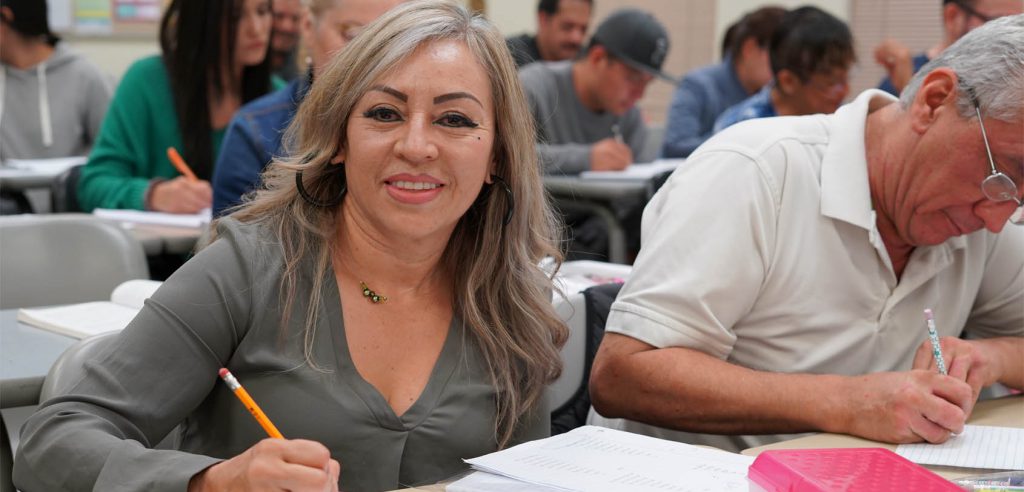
(184, 99)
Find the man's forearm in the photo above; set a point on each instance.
(688, 390)
(1009, 351)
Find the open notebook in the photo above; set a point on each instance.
(91, 318)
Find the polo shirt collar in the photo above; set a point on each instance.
(845, 192)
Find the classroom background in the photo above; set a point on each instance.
(114, 33)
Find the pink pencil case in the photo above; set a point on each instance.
(852, 469)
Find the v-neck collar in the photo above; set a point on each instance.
(376, 403)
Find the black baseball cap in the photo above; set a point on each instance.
(636, 38)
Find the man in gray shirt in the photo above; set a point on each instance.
(585, 110)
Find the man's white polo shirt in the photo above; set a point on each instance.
(762, 250)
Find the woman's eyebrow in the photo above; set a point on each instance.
(456, 95)
(392, 92)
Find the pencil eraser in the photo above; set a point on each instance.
(928, 314)
(223, 371)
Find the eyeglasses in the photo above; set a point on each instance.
(966, 7)
(998, 187)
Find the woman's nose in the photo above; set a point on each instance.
(417, 144)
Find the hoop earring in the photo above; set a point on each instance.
(508, 197)
(301, 187)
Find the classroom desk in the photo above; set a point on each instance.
(34, 173)
(158, 240)
(1006, 412)
(597, 197)
(26, 354)
(23, 179)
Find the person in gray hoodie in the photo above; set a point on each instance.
(52, 100)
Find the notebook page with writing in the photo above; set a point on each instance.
(979, 446)
(598, 459)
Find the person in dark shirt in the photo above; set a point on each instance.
(561, 28)
(708, 91)
(958, 18)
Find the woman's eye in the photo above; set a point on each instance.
(455, 120)
(382, 114)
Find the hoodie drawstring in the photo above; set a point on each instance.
(3, 87)
(44, 107)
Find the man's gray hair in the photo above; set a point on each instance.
(989, 61)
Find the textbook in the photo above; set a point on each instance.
(92, 318)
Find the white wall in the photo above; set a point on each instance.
(730, 11)
(513, 16)
(114, 54)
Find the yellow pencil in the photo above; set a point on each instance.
(250, 405)
(180, 165)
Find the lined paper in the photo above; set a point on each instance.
(979, 446)
(598, 459)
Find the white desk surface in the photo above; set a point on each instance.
(26, 354)
(1007, 412)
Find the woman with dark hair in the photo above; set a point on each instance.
(214, 60)
(52, 100)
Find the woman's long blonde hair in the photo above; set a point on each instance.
(499, 290)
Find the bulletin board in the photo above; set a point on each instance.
(106, 17)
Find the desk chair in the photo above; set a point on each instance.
(62, 374)
(64, 259)
(655, 136)
(64, 191)
(6, 458)
(569, 396)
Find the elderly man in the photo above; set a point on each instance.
(561, 29)
(785, 269)
(958, 18)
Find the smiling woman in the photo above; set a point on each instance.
(379, 297)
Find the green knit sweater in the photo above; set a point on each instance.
(132, 145)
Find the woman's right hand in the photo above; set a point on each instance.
(272, 465)
(181, 196)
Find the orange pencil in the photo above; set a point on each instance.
(180, 165)
(247, 400)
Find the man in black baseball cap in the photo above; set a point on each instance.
(635, 38)
(586, 113)
(585, 109)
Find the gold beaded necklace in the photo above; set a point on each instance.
(371, 295)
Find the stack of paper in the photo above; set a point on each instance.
(194, 221)
(978, 446)
(598, 459)
(636, 172)
(92, 318)
(40, 167)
